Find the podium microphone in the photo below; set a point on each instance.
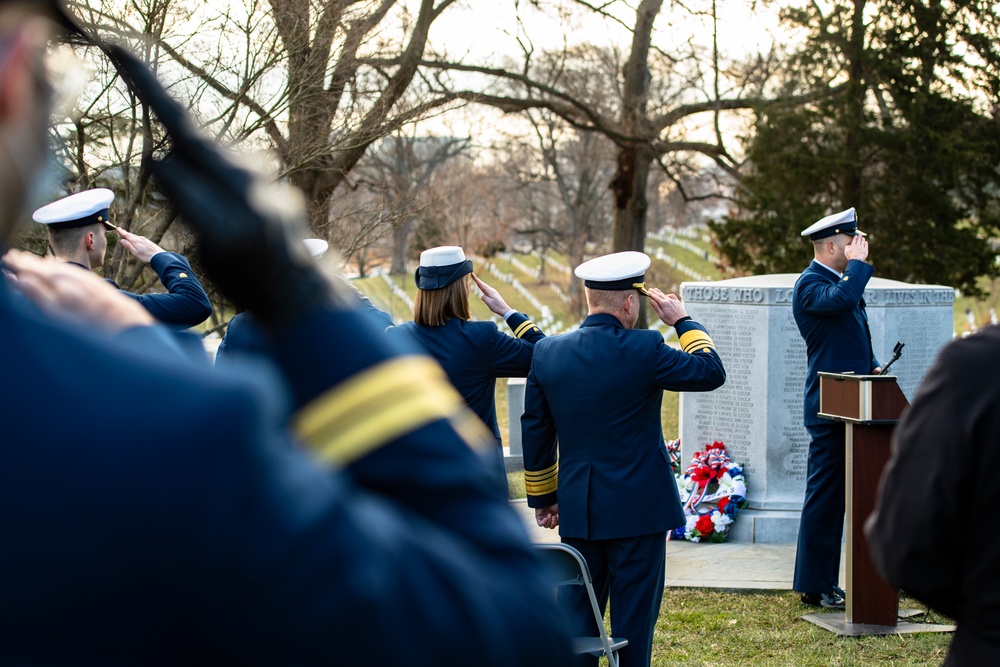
(896, 351)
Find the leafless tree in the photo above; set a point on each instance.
(402, 167)
(290, 76)
(658, 97)
(562, 182)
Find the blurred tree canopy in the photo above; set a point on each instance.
(910, 138)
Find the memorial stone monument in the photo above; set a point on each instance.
(513, 456)
(758, 412)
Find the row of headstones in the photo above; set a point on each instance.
(524, 268)
(533, 272)
(398, 291)
(554, 263)
(697, 231)
(670, 235)
(671, 261)
(546, 321)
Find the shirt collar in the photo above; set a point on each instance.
(833, 271)
(598, 319)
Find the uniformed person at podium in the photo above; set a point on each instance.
(608, 484)
(76, 228)
(829, 309)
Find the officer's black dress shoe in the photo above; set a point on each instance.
(832, 600)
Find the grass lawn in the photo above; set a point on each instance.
(714, 628)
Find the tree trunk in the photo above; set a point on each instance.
(401, 245)
(577, 297)
(361, 259)
(851, 178)
(629, 184)
(629, 188)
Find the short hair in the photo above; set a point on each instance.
(607, 300)
(819, 243)
(434, 307)
(67, 241)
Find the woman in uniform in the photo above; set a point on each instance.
(473, 354)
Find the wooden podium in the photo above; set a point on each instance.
(870, 405)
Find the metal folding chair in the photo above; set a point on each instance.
(567, 567)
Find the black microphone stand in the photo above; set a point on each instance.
(896, 351)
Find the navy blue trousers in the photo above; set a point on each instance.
(630, 570)
(821, 531)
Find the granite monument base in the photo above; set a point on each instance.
(765, 526)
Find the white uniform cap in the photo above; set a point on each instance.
(441, 266)
(845, 222)
(618, 271)
(78, 210)
(316, 247)
(445, 255)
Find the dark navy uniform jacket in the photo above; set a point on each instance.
(475, 354)
(599, 389)
(245, 337)
(945, 457)
(830, 314)
(154, 512)
(185, 304)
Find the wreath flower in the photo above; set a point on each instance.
(712, 490)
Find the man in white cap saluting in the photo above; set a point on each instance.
(76, 227)
(612, 491)
(829, 310)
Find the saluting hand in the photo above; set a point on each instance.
(857, 248)
(667, 306)
(80, 296)
(491, 297)
(141, 248)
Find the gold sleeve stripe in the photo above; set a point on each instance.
(473, 430)
(523, 329)
(700, 348)
(375, 407)
(695, 340)
(538, 483)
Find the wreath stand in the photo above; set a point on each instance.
(870, 406)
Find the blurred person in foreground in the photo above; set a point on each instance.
(944, 463)
(595, 463)
(76, 227)
(246, 340)
(193, 529)
(473, 354)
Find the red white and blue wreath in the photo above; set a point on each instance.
(712, 490)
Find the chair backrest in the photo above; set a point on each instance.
(567, 567)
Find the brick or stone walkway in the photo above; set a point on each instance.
(733, 565)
